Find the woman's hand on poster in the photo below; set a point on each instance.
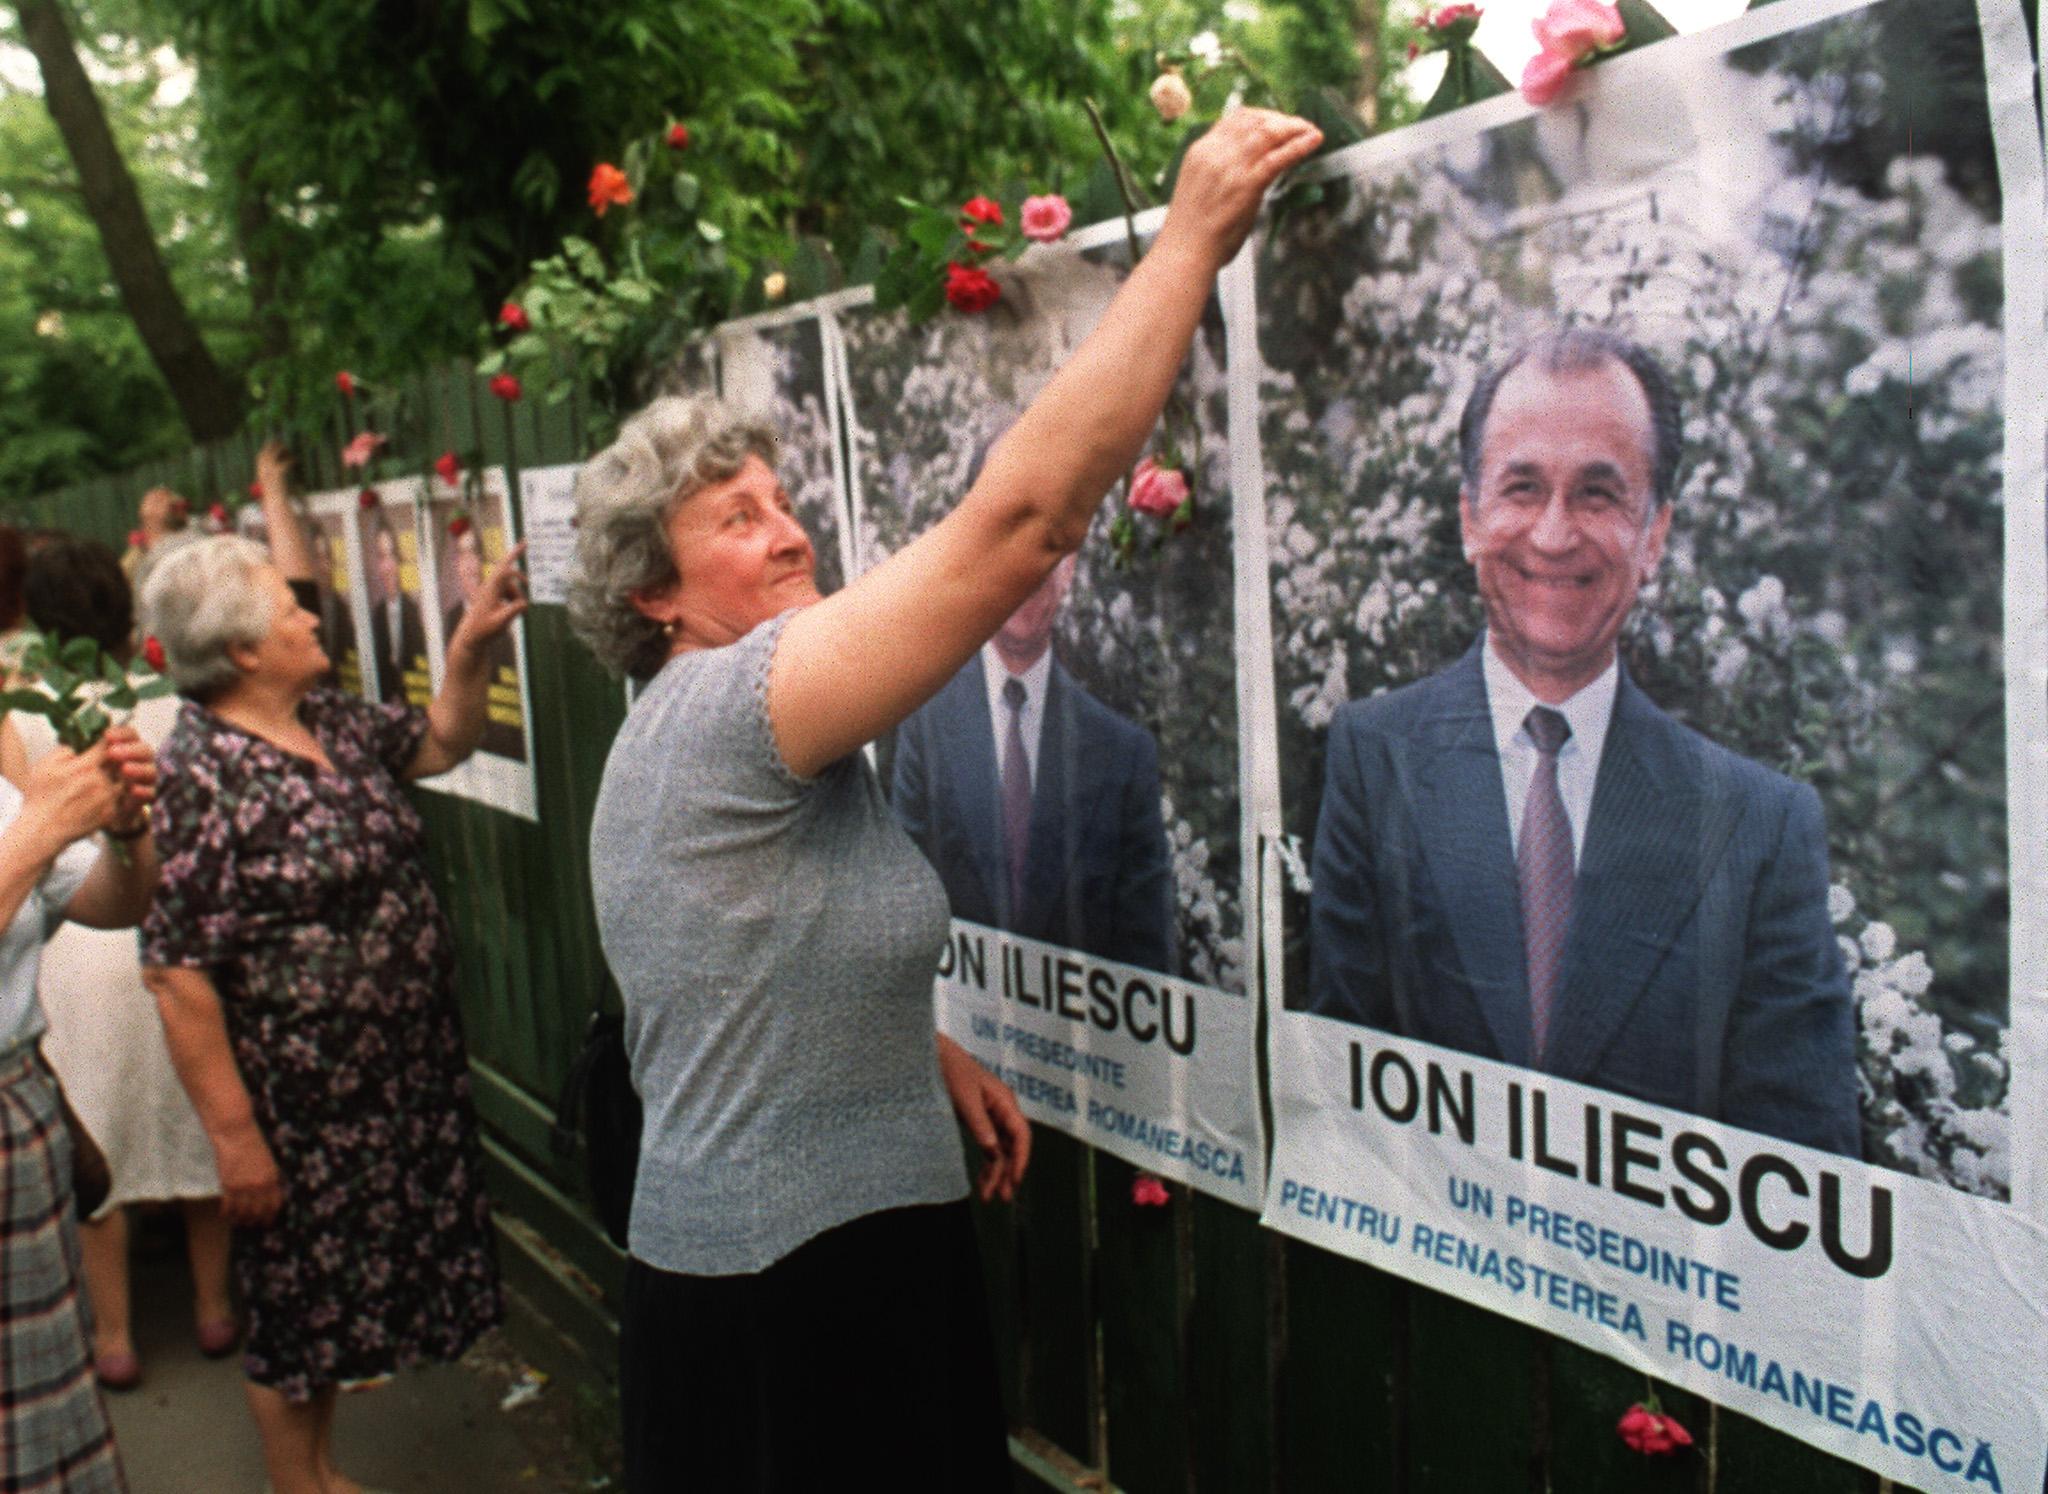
(989, 1112)
(501, 598)
(1225, 174)
(251, 1187)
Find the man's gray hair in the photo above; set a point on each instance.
(625, 497)
(199, 599)
(1580, 350)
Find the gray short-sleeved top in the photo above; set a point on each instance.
(775, 939)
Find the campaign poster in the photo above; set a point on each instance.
(328, 528)
(776, 369)
(468, 530)
(388, 542)
(1076, 784)
(1653, 523)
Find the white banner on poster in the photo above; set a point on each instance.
(547, 499)
(1146, 1067)
(1892, 1321)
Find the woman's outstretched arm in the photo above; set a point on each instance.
(852, 666)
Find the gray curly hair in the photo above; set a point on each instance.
(199, 599)
(625, 497)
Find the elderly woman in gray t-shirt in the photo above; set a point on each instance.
(802, 1276)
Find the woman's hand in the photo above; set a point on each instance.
(133, 766)
(1225, 174)
(68, 795)
(251, 1187)
(273, 470)
(501, 598)
(989, 1112)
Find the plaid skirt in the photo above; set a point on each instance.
(54, 1437)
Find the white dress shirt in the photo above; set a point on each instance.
(1032, 714)
(1578, 760)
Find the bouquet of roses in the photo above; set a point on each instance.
(79, 687)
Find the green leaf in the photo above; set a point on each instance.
(688, 189)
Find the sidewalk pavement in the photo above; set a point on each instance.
(186, 1428)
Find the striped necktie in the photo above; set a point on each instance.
(1543, 862)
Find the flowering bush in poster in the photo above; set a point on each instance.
(1828, 604)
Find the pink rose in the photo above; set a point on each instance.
(1147, 1192)
(1044, 219)
(1576, 27)
(360, 449)
(1545, 77)
(1157, 490)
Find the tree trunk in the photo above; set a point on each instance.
(209, 402)
(1370, 29)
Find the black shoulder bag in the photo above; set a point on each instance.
(600, 1107)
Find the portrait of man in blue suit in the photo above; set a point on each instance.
(1038, 805)
(1522, 857)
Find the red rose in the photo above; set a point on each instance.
(153, 653)
(458, 526)
(1651, 1433)
(367, 499)
(346, 383)
(609, 188)
(980, 210)
(138, 539)
(449, 465)
(678, 137)
(512, 317)
(255, 490)
(218, 516)
(971, 289)
(1147, 1192)
(505, 387)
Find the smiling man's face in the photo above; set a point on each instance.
(1563, 531)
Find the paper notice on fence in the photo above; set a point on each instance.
(1142, 1065)
(547, 499)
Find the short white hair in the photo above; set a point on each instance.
(199, 599)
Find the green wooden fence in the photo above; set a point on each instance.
(1172, 1349)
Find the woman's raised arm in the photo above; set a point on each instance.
(852, 666)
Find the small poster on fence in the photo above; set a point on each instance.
(1636, 504)
(469, 530)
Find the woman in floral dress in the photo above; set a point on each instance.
(306, 980)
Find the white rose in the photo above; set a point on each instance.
(774, 285)
(1170, 96)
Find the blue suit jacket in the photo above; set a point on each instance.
(1097, 876)
(1701, 969)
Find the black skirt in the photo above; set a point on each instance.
(866, 1345)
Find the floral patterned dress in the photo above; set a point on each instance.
(303, 894)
